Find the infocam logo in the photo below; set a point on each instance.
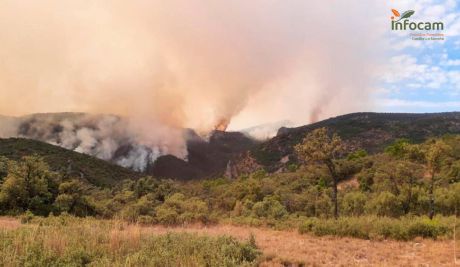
(400, 22)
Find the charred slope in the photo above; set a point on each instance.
(370, 131)
(205, 158)
(69, 163)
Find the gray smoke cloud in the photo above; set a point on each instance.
(107, 137)
(169, 65)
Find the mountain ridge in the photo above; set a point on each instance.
(234, 153)
(371, 131)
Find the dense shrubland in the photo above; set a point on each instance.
(405, 183)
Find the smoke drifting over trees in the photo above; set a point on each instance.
(107, 137)
(167, 65)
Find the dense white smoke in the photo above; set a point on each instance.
(167, 65)
(107, 137)
(266, 131)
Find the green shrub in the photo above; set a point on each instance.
(167, 215)
(373, 227)
(146, 219)
(142, 207)
(26, 217)
(177, 209)
(269, 208)
(427, 228)
(358, 154)
(354, 203)
(385, 204)
(292, 167)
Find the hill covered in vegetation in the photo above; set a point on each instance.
(407, 190)
(369, 131)
(67, 162)
(401, 186)
(229, 153)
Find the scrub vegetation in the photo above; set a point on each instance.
(408, 191)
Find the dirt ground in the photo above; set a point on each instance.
(289, 248)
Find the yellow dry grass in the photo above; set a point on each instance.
(290, 247)
(9, 223)
(130, 234)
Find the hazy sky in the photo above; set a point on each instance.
(190, 63)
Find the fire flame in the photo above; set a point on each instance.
(222, 125)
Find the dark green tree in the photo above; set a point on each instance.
(319, 147)
(29, 185)
(435, 153)
(73, 198)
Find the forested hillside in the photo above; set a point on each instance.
(66, 162)
(407, 190)
(369, 131)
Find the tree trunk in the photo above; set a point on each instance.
(409, 197)
(334, 198)
(431, 215)
(408, 202)
(335, 180)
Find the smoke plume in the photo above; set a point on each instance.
(168, 65)
(107, 137)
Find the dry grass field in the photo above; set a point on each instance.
(7, 223)
(289, 248)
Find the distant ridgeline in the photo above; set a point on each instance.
(234, 153)
(369, 131)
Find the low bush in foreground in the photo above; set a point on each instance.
(69, 241)
(373, 227)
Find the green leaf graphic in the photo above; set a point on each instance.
(407, 14)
